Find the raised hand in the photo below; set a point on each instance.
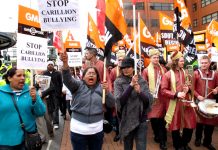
(64, 59)
(33, 93)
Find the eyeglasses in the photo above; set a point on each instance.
(91, 74)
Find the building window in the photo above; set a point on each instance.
(195, 23)
(194, 7)
(207, 2)
(161, 6)
(215, 16)
(129, 22)
(127, 6)
(154, 22)
(138, 6)
(209, 18)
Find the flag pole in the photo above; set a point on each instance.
(139, 45)
(31, 77)
(134, 27)
(104, 79)
(62, 45)
(157, 39)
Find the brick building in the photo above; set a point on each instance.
(149, 11)
(202, 12)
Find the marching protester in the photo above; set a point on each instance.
(92, 61)
(86, 124)
(115, 72)
(206, 87)
(179, 115)
(29, 105)
(56, 79)
(110, 66)
(48, 97)
(133, 102)
(67, 92)
(153, 75)
(44, 123)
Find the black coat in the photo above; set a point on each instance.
(135, 108)
(50, 98)
(56, 79)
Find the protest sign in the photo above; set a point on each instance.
(59, 14)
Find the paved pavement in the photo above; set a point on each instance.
(55, 142)
(61, 140)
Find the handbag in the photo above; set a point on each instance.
(32, 140)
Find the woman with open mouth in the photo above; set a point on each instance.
(19, 108)
(87, 109)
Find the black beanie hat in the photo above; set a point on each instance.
(127, 62)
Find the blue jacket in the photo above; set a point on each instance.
(11, 132)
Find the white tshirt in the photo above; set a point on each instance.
(85, 128)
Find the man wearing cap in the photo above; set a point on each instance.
(206, 87)
(115, 72)
(56, 79)
(153, 74)
(133, 101)
(179, 115)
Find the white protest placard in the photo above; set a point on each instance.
(43, 81)
(214, 54)
(31, 52)
(74, 59)
(59, 14)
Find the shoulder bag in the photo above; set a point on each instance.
(32, 140)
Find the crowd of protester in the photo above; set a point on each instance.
(161, 95)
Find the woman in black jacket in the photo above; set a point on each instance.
(133, 101)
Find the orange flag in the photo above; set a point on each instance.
(115, 25)
(145, 34)
(212, 32)
(157, 38)
(144, 58)
(69, 36)
(93, 33)
(183, 32)
(166, 23)
(166, 29)
(186, 21)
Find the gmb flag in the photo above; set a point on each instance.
(146, 39)
(182, 31)
(93, 37)
(115, 25)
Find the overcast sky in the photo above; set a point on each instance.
(9, 15)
